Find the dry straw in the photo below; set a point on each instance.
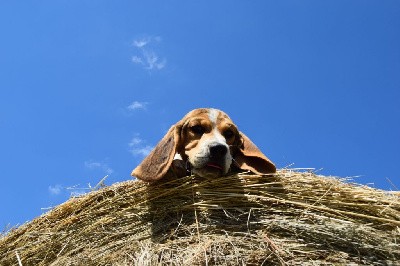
(291, 218)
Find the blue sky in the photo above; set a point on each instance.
(89, 87)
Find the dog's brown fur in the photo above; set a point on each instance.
(182, 140)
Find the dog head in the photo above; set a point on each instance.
(209, 142)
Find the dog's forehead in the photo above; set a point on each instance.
(215, 116)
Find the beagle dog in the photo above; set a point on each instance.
(209, 144)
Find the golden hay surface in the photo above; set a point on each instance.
(291, 218)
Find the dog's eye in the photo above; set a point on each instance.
(228, 134)
(198, 130)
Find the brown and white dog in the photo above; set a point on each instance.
(209, 144)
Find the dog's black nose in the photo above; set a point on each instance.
(218, 150)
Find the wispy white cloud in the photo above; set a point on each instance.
(137, 105)
(141, 42)
(150, 61)
(153, 61)
(135, 141)
(144, 41)
(93, 165)
(55, 190)
(138, 147)
(147, 56)
(137, 60)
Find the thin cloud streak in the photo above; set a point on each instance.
(92, 165)
(137, 106)
(141, 42)
(137, 60)
(55, 190)
(153, 61)
(138, 147)
(147, 57)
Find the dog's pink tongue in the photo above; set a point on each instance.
(214, 166)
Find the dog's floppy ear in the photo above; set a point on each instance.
(157, 163)
(249, 157)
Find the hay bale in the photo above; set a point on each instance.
(291, 218)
